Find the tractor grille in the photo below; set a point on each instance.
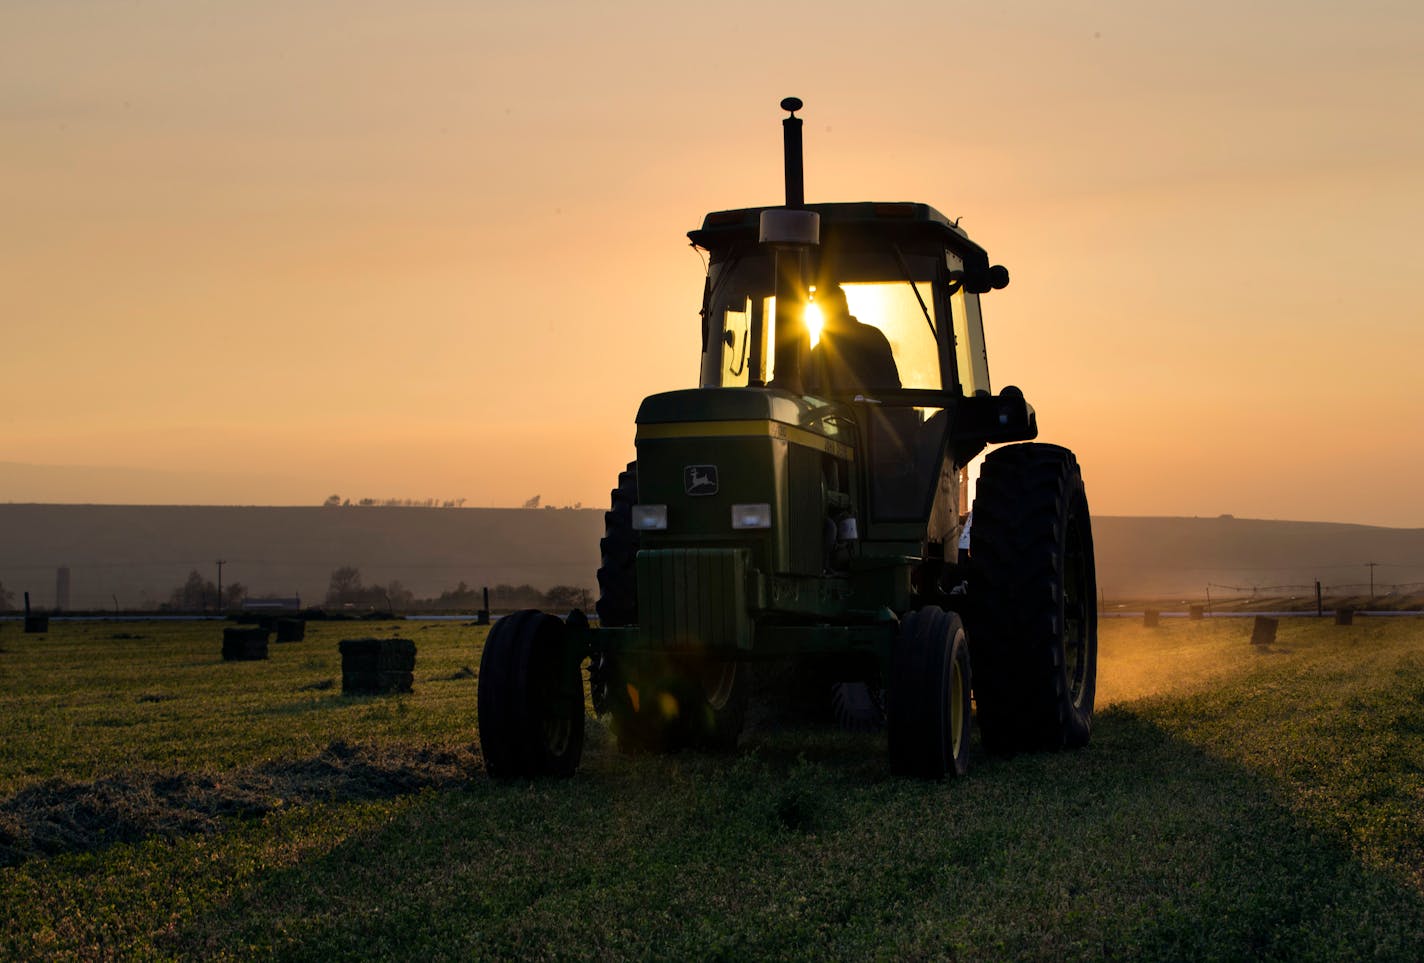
(693, 598)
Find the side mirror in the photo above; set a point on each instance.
(982, 280)
(1006, 416)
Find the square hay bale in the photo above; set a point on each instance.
(1150, 618)
(377, 665)
(244, 644)
(291, 630)
(1263, 630)
(1344, 616)
(1196, 612)
(37, 624)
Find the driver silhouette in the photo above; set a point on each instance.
(851, 356)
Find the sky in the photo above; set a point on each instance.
(265, 252)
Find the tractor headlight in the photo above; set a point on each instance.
(649, 518)
(751, 516)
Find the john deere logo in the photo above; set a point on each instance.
(700, 479)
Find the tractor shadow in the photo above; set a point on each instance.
(1142, 844)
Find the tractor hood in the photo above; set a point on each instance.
(737, 404)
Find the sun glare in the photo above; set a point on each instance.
(874, 303)
(814, 321)
(869, 302)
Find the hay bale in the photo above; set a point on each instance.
(377, 665)
(1150, 618)
(244, 644)
(37, 624)
(355, 647)
(291, 630)
(1344, 616)
(1263, 630)
(1196, 612)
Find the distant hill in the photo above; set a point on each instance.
(1144, 556)
(139, 554)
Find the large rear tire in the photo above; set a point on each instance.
(617, 584)
(1033, 622)
(930, 685)
(618, 549)
(530, 707)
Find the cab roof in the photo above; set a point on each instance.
(897, 220)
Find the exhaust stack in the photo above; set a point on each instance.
(791, 143)
(792, 231)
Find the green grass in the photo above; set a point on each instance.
(1234, 804)
(79, 702)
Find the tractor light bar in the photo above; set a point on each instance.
(751, 516)
(650, 518)
(779, 225)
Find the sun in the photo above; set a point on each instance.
(814, 321)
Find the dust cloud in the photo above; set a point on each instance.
(1175, 657)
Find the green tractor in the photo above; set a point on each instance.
(806, 504)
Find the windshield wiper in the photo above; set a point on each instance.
(711, 291)
(905, 267)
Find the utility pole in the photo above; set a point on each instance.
(221, 563)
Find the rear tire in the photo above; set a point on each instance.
(617, 584)
(530, 700)
(618, 549)
(930, 687)
(1033, 588)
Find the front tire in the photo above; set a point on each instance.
(930, 687)
(530, 699)
(1033, 588)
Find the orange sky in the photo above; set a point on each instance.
(262, 252)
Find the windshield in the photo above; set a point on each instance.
(879, 292)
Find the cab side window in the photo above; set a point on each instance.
(971, 361)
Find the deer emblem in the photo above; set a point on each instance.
(700, 479)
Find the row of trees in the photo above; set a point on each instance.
(560, 598)
(336, 501)
(198, 594)
(348, 590)
(533, 502)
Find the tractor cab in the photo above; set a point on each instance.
(905, 269)
(885, 325)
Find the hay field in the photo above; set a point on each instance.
(1235, 803)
